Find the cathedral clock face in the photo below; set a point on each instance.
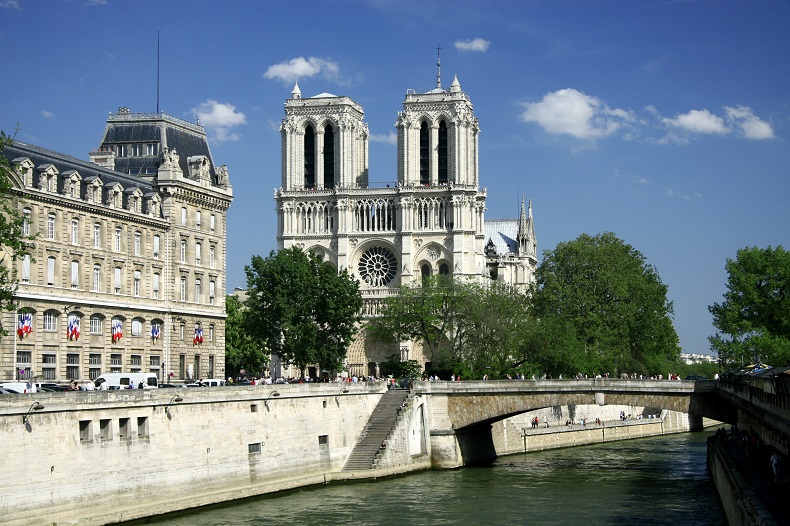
(378, 266)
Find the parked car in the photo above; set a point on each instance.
(695, 377)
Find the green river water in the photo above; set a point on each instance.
(650, 481)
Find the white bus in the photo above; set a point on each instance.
(127, 381)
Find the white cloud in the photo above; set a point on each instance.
(749, 124)
(13, 4)
(699, 121)
(392, 138)
(47, 114)
(477, 44)
(571, 112)
(300, 67)
(219, 118)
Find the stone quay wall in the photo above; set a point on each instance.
(515, 434)
(742, 506)
(98, 457)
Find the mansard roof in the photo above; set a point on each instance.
(186, 138)
(62, 162)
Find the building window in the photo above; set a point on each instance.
(137, 275)
(154, 360)
(197, 219)
(115, 360)
(137, 242)
(211, 332)
(309, 157)
(137, 150)
(96, 324)
(329, 157)
(211, 291)
(121, 150)
(72, 366)
(183, 251)
(150, 149)
(26, 222)
(198, 283)
(86, 430)
(156, 247)
(75, 274)
(97, 278)
(117, 280)
(137, 361)
(94, 359)
(26, 268)
(155, 290)
(105, 428)
(156, 331)
(117, 239)
(96, 235)
(211, 222)
(183, 288)
(212, 251)
(75, 231)
(441, 153)
(424, 159)
(198, 253)
(50, 270)
(183, 216)
(51, 226)
(137, 328)
(49, 362)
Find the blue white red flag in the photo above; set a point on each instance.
(198, 336)
(155, 332)
(24, 325)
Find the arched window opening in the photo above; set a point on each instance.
(424, 157)
(329, 157)
(309, 158)
(444, 269)
(425, 271)
(442, 153)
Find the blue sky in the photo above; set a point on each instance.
(665, 122)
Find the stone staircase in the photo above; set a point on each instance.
(378, 429)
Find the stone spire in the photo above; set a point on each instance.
(296, 93)
(455, 87)
(526, 231)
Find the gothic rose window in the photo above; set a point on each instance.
(378, 266)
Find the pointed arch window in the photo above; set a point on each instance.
(309, 158)
(442, 152)
(329, 157)
(425, 163)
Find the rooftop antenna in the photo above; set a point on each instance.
(157, 70)
(438, 66)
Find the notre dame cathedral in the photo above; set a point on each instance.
(430, 221)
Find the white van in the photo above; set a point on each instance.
(126, 381)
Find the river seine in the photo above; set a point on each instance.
(649, 481)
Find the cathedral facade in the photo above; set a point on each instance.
(128, 269)
(430, 221)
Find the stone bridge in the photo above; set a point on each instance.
(461, 413)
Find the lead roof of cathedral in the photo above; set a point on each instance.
(503, 232)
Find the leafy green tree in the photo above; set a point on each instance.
(393, 366)
(602, 308)
(241, 349)
(14, 244)
(302, 308)
(753, 321)
(465, 328)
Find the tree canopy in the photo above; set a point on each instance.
(242, 351)
(14, 244)
(753, 321)
(465, 328)
(602, 308)
(302, 308)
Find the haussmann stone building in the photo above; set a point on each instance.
(128, 271)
